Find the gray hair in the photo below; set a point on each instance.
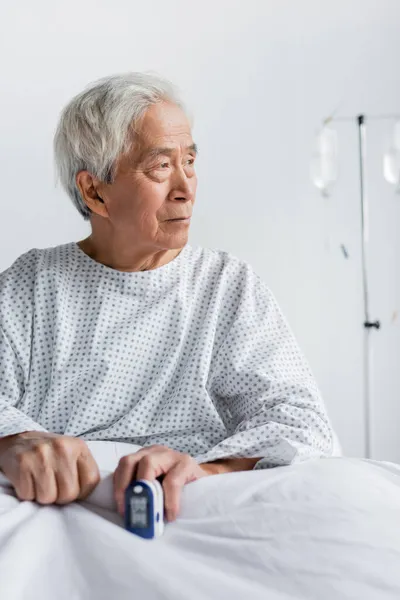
(94, 127)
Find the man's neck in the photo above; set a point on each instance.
(130, 260)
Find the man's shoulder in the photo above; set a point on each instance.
(218, 257)
(223, 263)
(25, 269)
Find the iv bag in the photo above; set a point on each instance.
(324, 160)
(391, 159)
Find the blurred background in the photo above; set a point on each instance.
(259, 77)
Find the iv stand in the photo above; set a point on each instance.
(368, 324)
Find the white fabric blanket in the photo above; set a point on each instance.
(325, 529)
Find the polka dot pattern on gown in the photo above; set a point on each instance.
(194, 355)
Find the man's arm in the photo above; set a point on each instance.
(41, 466)
(12, 420)
(229, 465)
(263, 388)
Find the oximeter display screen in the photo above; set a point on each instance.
(139, 511)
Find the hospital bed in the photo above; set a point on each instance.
(326, 529)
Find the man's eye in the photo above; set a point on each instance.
(190, 161)
(164, 165)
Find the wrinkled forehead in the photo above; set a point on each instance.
(163, 124)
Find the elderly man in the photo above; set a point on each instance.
(134, 335)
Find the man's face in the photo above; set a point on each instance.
(155, 183)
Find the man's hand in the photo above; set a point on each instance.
(151, 462)
(48, 468)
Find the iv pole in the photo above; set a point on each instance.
(368, 324)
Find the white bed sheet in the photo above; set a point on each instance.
(325, 530)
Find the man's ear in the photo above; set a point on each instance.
(87, 185)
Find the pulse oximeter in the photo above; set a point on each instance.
(144, 508)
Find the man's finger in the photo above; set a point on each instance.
(88, 474)
(176, 478)
(67, 481)
(153, 465)
(24, 486)
(45, 485)
(128, 469)
(123, 475)
(132, 460)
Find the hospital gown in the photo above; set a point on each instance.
(194, 355)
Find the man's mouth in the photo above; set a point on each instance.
(180, 219)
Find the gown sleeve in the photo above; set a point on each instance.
(262, 384)
(15, 344)
(12, 420)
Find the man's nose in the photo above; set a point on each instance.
(182, 185)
